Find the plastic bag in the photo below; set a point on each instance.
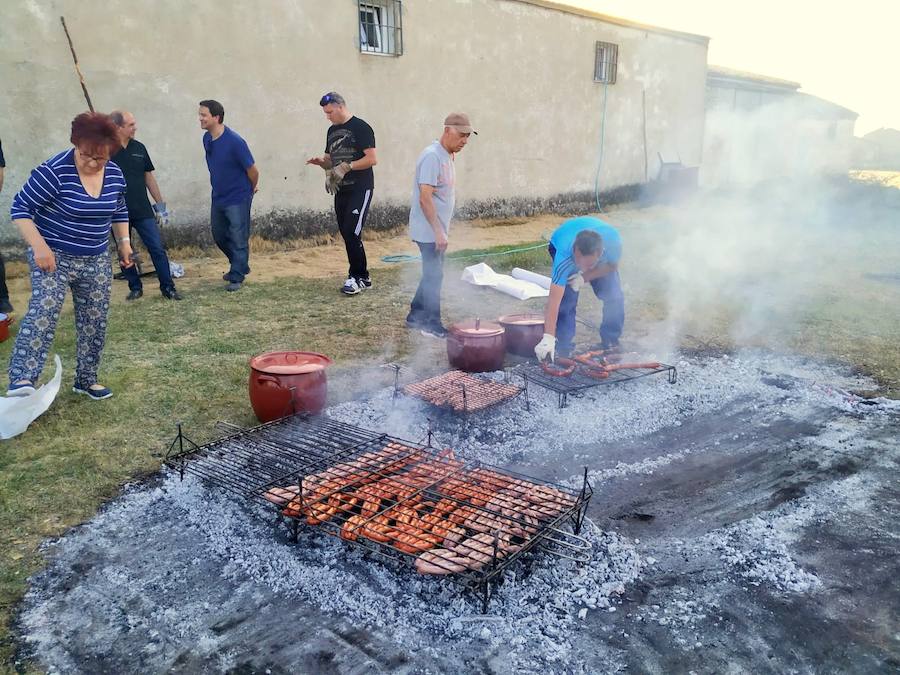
(17, 412)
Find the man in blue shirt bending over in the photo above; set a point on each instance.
(234, 178)
(585, 250)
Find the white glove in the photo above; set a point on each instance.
(576, 281)
(161, 213)
(545, 348)
(341, 170)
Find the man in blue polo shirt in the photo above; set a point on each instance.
(234, 178)
(585, 250)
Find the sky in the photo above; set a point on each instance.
(843, 52)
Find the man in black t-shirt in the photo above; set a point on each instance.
(348, 161)
(5, 305)
(134, 160)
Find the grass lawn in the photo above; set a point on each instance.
(187, 362)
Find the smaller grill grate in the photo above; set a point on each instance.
(579, 381)
(462, 392)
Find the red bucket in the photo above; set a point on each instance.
(5, 323)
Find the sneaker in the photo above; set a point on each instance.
(434, 330)
(227, 277)
(364, 283)
(7, 308)
(94, 394)
(414, 324)
(350, 287)
(171, 294)
(23, 389)
(134, 295)
(233, 286)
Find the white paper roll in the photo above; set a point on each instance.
(533, 277)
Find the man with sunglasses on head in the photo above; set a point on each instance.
(348, 161)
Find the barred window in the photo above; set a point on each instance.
(381, 26)
(606, 58)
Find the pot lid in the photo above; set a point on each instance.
(521, 319)
(477, 328)
(289, 363)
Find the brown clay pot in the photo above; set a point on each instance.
(284, 383)
(523, 332)
(476, 346)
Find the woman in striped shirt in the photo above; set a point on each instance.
(64, 212)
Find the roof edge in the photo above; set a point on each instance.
(615, 20)
(726, 73)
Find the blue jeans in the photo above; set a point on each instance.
(152, 238)
(426, 305)
(609, 290)
(231, 232)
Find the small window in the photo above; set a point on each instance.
(380, 26)
(606, 58)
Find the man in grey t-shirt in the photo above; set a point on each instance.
(433, 199)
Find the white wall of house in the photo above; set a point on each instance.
(754, 135)
(523, 72)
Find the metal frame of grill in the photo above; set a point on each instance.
(463, 393)
(578, 382)
(303, 451)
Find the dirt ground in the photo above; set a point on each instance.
(309, 260)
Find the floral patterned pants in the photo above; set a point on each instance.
(90, 278)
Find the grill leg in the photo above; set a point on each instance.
(527, 401)
(396, 382)
(295, 531)
(673, 376)
(579, 516)
(485, 596)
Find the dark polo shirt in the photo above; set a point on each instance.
(134, 160)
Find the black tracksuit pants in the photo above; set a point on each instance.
(351, 205)
(4, 291)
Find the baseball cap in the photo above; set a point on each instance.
(460, 122)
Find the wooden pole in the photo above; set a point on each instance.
(87, 97)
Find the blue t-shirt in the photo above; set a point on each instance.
(228, 158)
(564, 239)
(68, 218)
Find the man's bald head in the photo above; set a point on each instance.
(125, 123)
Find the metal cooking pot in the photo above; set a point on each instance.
(523, 332)
(476, 346)
(284, 383)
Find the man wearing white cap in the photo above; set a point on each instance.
(433, 200)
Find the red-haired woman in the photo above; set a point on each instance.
(64, 212)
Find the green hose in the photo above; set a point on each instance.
(402, 258)
(600, 160)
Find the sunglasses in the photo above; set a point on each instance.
(328, 98)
